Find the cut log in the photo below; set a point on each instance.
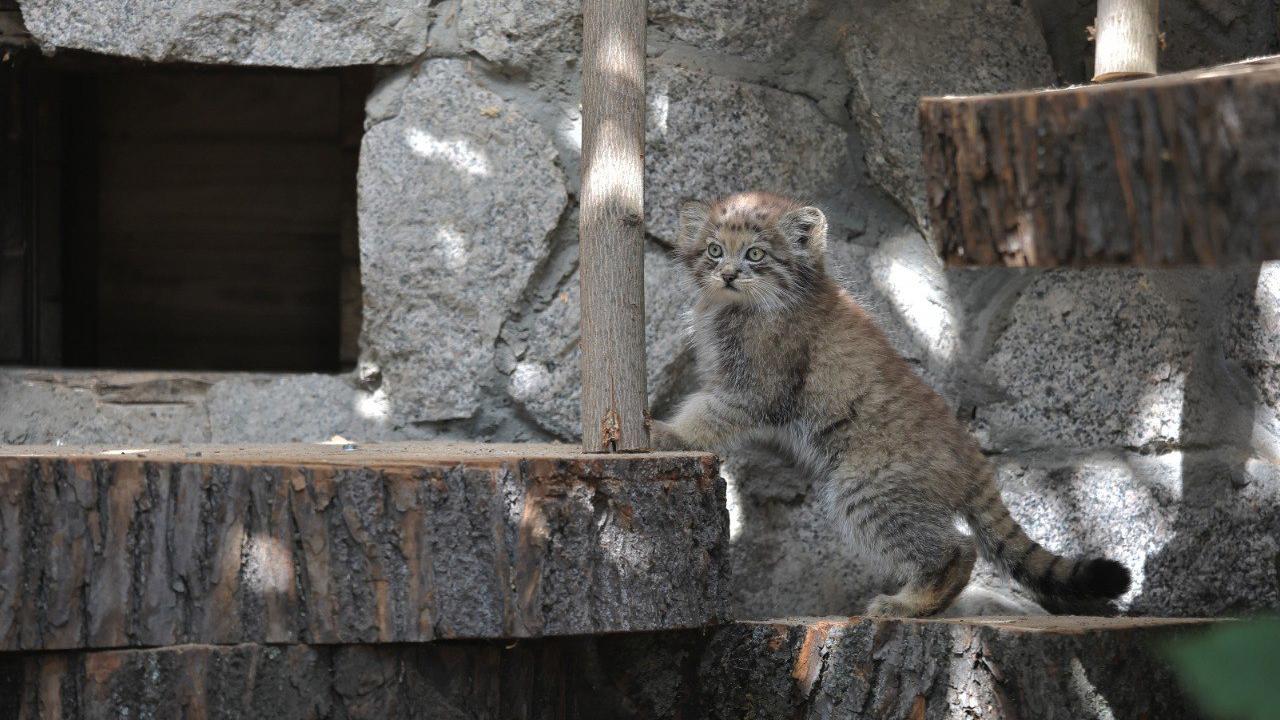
(1173, 170)
(118, 547)
(804, 669)
(990, 668)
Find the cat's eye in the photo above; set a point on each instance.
(755, 254)
(714, 250)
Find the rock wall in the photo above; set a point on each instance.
(1131, 413)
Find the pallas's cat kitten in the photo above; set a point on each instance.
(783, 351)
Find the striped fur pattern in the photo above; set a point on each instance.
(783, 352)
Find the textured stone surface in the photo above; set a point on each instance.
(1251, 339)
(329, 543)
(522, 32)
(545, 379)
(708, 137)
(458, 193)
(246, 32)
(1158, 514)
(755, 29)
(70, 407)
(297, 408)
(897, 52)
(535, 33)
(1053, 668)
(1089, 360)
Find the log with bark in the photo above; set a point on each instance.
(803, 669)
(1172, 170)
(112, 547)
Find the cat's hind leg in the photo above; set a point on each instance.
(930, 587)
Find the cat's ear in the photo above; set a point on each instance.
(805, 228)
(695, 215)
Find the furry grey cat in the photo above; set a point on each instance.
(783, 351)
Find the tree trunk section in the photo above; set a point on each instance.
(397, 542)
(803, 669)
(1174, 170)
(611, 228)
(1128, 39)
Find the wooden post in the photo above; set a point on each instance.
(1128, 39)
(611, 226)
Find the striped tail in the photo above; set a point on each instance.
(1058, 582)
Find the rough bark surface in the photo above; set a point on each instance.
(611, 226)
(1179, 169)
(103, 547)
(1073, 668)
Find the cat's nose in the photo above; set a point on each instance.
(729, 274)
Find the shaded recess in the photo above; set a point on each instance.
(178, 216)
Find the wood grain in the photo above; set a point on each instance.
(125, 547)
(1175, 170)
(611, 226)
(805, 669)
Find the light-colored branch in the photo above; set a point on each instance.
(611, 226)
(1128, 38)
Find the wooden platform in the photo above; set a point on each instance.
(107, 547)
(1173, 170)
(805, 668)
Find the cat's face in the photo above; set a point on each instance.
(752, 249)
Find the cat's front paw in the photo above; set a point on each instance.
(887, 606)
(663, 437)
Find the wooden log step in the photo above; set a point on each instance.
(122, 547)
(799, 668)
(1172, 170)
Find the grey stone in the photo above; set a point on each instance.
(1089, 360)
(534, 33)
(708, 136)
(545, 379)
(1252, 341)
(296, 408)
(754, 29)
(1199, 531)
(458, 194)
(897, 52)
(74, 407)
(320, 33)
(520, 32)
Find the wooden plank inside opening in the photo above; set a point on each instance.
(1172, 170)
(611, 226)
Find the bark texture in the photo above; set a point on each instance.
(611, 228)
(383, 543)
(1073, 668)
(1172, 170)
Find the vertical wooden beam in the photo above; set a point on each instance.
(1128, 39)
(611, 226)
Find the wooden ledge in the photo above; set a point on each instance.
(804, 668)
(352, 454)
(1173, 170)
(148, 546)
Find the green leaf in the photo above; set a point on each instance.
(1232, 669)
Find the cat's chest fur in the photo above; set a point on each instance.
(761, 360)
